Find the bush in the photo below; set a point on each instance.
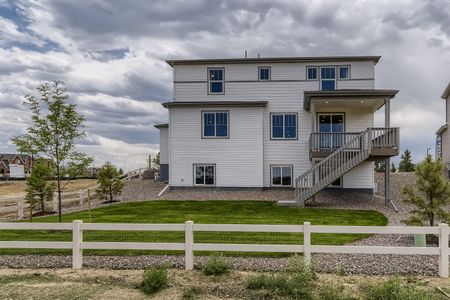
(216, 265)
(297, 281)
(155, 279)
(393, 289)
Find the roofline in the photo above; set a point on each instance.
(159, 126)
(446, 92)
(372, 93)
(215, 103)
(297, 59)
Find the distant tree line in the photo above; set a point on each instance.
(405, 165)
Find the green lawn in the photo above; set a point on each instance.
(206, 212)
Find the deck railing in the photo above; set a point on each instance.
(190, 245)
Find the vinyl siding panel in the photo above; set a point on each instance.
(164, 145)
(238, 159)
(446, 137)
(360, 177)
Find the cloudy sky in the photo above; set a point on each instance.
(111, 56)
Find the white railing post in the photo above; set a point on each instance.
(443, 250)
(77, 239)
(188, 248)
(307, 242)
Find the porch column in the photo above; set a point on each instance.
(313, 129)
(387, 171)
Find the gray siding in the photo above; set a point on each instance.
(164, 145)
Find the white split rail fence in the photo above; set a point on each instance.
(189, 246)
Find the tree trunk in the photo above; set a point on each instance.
(110, 194)
(42, 203)
(58, 179)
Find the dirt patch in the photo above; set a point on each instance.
(12, 188)
(123, 284)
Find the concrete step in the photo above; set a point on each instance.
(286, 203)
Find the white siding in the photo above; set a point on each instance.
(164, 145)
(238, 160)
(446, 136)
(245, 158)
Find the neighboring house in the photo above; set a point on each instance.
(443, 134)
(286, 122)
(6, 160)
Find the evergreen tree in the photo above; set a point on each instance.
(393, 168)
(109, 180)
(428, 195)
(379, 166)
(406, 164)
(156, 160)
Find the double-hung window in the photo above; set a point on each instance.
(215, 124)
(344, 72)
(311, 73)
(284, 126)
(328, 78)
(264, 73)
(281, 175)
(216, 80)
(204, 174)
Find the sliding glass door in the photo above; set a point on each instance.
(332, 125)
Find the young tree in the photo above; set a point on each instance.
(393, 168)
(379, 166)
(406, 164)
(109, 180)
(39, 188)
(56, 126)
(156, 160)
(430, 192)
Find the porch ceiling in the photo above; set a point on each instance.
(372, 98)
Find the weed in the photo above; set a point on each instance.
(155, 279)
(216, 265)
(394, 289)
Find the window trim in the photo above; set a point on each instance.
(193, 174)
(281, 166)
(317, 73)
(259, 73)
(203, 124)
(208, 80)
(331, 113)
(335, 76)
(284, 138)
(339, 72)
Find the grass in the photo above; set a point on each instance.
(206, 212)
(11, 188)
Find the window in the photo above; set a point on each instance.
(264, 73)
(337, 183)
(281, 175)
(204, 175)
(216, 81)
(284, 126)
(328, 78)
(344, 72)
(215, 124)
(311, 73)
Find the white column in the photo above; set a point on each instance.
(387, 171)
(443, 250)
(77, 239)
(189, 241)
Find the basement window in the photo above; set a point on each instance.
(281, 176)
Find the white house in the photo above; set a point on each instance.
(285, 122)
(443, 134)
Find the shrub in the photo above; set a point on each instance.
(216, 265)
(296, 281)
(155, 279)
(393, 289)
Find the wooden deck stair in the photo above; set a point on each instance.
(372, 143)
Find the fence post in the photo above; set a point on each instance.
(189, 241)
(77, 239)
(443, 250)
(20, 205)
(307, 242)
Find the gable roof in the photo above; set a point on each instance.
(9, 157)
(446, 92)
(295, 59)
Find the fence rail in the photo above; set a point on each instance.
(189, 246)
